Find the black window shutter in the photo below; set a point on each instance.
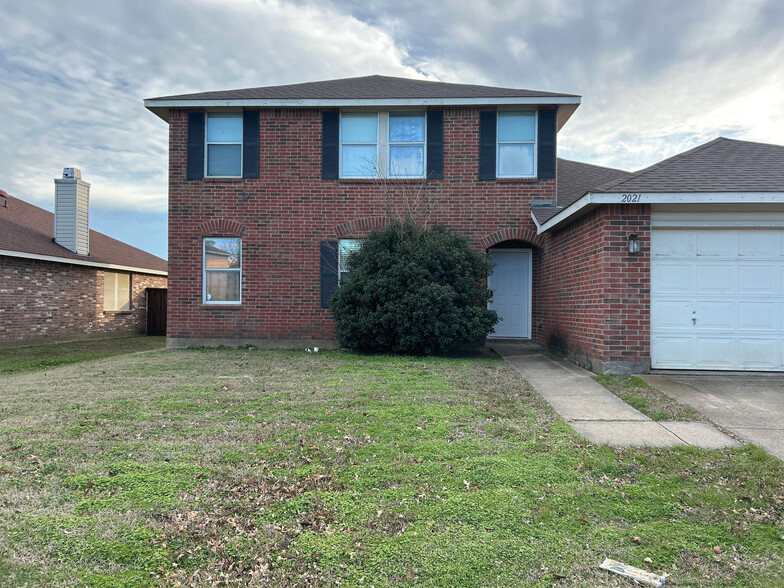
(329, 270)
(329, 145)
(487, 128)
(435, 144)
(250, 144)
(195, 167)
(546, 144)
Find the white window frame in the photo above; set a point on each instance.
(204, 271)
(383, 153)
(347, 246)
(498, 143)
(116, 307)
(208, 143)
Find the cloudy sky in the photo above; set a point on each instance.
(657, 77)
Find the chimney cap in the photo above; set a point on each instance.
(72, 173)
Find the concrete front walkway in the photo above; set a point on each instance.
(596, 413)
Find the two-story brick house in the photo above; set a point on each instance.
(269, 187)
(281, 174)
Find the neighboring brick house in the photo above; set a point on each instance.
(82, 285)
(282, 180)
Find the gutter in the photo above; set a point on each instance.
(110, 266)
(591, 200)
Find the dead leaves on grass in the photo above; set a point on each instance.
(226, 517)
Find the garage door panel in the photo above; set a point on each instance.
(716, 278)
(672, 314)
(758, 316)
(715, 315)
(758, 279)
(759, 354)
(715, 352)
(731, 282)
(666, 243)
(674, 278)
(717, 243)
(759, 244)
(674, 351)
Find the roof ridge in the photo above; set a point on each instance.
(659, 165)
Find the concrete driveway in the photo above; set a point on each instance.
(751, 406)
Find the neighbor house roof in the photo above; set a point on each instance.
(27, 231)
(575, 179)
(722, 171)
(365, 91)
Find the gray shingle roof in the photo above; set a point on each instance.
(26, 228)
(575, 179)
(367, 87)
(721, 165)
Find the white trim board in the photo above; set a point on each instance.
(591, 200)
(110, 266)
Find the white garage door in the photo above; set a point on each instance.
(717, 299)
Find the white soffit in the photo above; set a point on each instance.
(591, 200)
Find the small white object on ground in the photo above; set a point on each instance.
(637, 574)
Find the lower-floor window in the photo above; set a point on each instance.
(116, 291)
(222, 270)
(345, 248)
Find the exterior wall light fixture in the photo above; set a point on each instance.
(634, 243)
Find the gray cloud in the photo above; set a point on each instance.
(656, 77)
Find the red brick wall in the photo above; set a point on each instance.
(283, 215)
(42, 300)
(595, 295)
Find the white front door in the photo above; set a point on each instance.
(717, 299)
(511, 286)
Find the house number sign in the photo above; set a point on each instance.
(630, 197)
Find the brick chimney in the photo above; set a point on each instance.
(71, 212)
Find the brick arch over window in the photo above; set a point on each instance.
(221, 227)
(360, 226)
(512, 234)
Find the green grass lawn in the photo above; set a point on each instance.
(25, 359)
(238, 467)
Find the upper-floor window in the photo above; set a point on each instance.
(516, 145)
(222, 269)
(223, 151)
(116, 291)
(386, 144)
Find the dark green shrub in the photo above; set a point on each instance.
(413, 290)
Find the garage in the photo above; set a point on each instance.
(717, 290)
